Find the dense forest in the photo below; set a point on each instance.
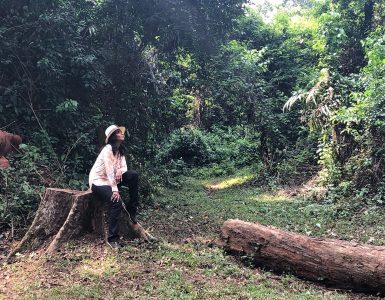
(214, 84)
(291, 90)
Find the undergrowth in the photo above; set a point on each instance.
(186, 264)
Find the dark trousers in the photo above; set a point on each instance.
(104, 193)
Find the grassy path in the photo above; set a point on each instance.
(185, 264)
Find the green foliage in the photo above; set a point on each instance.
(69, 68)
(67, 105)
(298, 163)
(238, 145)
(22, 186)
(357, 126)
(373, 78)
(333, 37)
(206, 80)
(187, 145)
(218, 152)
(331, 172)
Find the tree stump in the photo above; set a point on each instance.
(64, 214)
(337, 263)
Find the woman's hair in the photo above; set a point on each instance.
(115, 148)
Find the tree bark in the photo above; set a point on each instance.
(337, 263)
(65, 214)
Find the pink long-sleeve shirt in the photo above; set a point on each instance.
(104, 170)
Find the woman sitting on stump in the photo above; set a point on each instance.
(108, 173)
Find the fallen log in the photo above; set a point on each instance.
(337, 263)
(64, 214)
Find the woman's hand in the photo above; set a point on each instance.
(118, 175)
(115, 197)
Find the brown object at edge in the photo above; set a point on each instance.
(4, 163)
(336, 263)
(9, 143)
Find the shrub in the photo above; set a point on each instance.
(222, 149)
(21, 186)
(297, 163)
(185, 144)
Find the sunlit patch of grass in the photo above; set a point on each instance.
(268, 197)
(228, 183)
(97, 268)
